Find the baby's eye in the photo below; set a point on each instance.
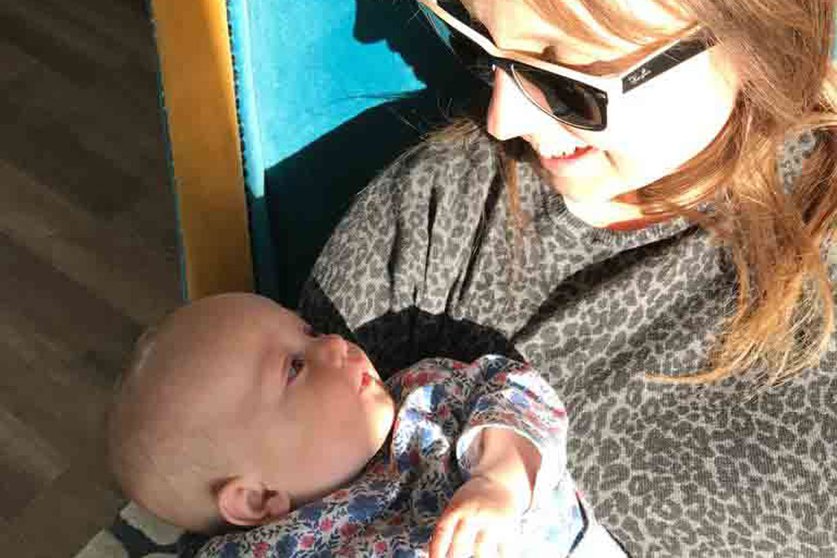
(295, 369)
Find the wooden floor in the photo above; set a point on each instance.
(87, 254)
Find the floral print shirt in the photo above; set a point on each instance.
(391, 508)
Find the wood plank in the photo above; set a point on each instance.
(40, 393)
(62, 518)
(101, 70)
(27, 464)
(103, 256)
(126, 139)
(39, 143)
(14, 62)
(95, 42)
(112, 24)
(64, 316)
(71, 105)
(48, 44)
(154, 220)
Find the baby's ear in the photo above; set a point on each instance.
(247, 503)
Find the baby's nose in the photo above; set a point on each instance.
(329, 350)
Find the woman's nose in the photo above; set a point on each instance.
(327, 350)
(511, 114)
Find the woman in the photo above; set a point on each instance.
(645, 218)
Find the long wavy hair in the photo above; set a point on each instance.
(777, 239)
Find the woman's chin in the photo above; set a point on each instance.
(603, 188)
(585, 191)
(602, 213)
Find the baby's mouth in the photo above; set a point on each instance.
(367, 379)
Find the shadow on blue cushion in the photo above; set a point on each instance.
(308, 192)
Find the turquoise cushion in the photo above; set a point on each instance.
(328, 92)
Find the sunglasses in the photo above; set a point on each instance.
(571, 97)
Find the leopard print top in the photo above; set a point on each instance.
(424, 264)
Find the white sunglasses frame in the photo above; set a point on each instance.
(614, 87)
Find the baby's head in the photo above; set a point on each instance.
(235, 412)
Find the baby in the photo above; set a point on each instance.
(235, 413)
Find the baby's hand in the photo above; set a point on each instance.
(479, 521)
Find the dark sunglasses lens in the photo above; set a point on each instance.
(570, 101)
(467, 51)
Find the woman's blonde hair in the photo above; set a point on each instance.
(777, 239)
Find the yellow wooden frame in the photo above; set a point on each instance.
(199, 99)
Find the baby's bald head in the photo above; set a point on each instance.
(168, 445)
(235, 409)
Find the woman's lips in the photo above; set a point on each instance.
(566, 161)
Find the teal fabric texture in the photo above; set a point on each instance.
(328, 93)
